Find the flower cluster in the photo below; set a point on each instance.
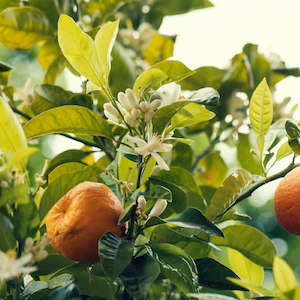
(12, 177)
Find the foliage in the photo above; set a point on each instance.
(158, 149)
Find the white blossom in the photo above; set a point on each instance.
(158, 208)
(170, 98)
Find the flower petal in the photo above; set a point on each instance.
(142, 150)
(137, 140)
(160, 161)
(161, 147)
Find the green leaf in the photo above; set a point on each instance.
(17, 194)
(165, 234)
(67, 119)
(107, 7)
(150, 79)
(250, 242)
(60, 280)
(208, 296)
(104, 41)
(7, 238)
(35, 288)
(139, 276)
(206, 96)
(226, 195)
(189, 218)
(12, 137)
(62, 184)
(261, 111)
(293, 132)
(55, 69)
(81, 100)
(244, 267)
(80, 50)
(65, 168)
(26, 221)
(176, 265)
(48, 52)
(69, 292)
(4, 67)
(214, 275)
(48, 96)
(158, 192)
(283, 274)
(115, 254)
(175, 70)
(283, 151)
(23, 27)
(233, 215)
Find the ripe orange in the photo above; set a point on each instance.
(79, 218)
(287, 202)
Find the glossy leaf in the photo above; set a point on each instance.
(189, 218)
(60, 280)
(139, 276)
(35, 289)
(214, 275)
(12, 137)
(65, 168)
(69, 292)
(23, 27)
(293, 132)
(176, 265)
(7, 238)
(207, 96)
(244, 267)
(115, 254)
(261, 111)
(80, 50)
(233, 215)
(251, 242)
(283, 274)
(165, 234)
(150, 79)
(226, 195)
(104, 41)
(67, 119)
(157, 191)
(62, 184)
(175, 70)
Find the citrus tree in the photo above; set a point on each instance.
(151, 131)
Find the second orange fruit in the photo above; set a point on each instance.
(287, 202)
(79, 219)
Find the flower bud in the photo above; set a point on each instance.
(158, 208)
(136, 113)
(141, 203)
(124, 101)
(149, 114)
(131, 98)
(110, 109)
(28, 244)
(112, 117)
(155, 104)
(144, 106)
(129, 120)
(42, 254)
(4, 184)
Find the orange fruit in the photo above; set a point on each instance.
(79, 219)
(287, 202)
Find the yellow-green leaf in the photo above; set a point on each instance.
(12, 137)
(245, 268)
(79, 49)
(283, 274)
(104, 41)
(284, 150)
(24, 27)
(261, 111)
(48, 53)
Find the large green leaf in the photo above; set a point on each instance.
(261, 112)
(139, 276)
(66, 292)
(65, 168)
(283, 274)
(115, 254)
(67, 119)
(189, 218)
(7, 3)
(214, 275)
(7, 238)
(176, 265)
(80, 50)
(23, 27)
(104, 41)
(226, 195)
(62, 184)
(12, 137)
(17, 194)
(250, 242)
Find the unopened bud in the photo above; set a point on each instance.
(42, 254)
(110, 109)
(129, 120)
(158, 208)
(141, 203)
(111, 117)
(256, 294)
(131, 98)
(124, 101)
(28, 244)
(4, 184)
(155, 104)
(149, 114)
(136, 113)
(252, 151)
(144, 106)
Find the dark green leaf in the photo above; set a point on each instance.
(292, 129)
(35, 287)
(62, 184)
(206, 96)
(81, 100)
(60, 280)
(7, 239)
(189, 218)
(129, 154)
(250, 242)
(115, 254)
(213, 275)
(157, 191)
(69, 292)
(5, 67)
(139, 276)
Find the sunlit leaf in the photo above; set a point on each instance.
(23, 27)
(244, 267)
(284, 150)
(115, 254)
(176, 265)
(65, 168)
(67, 119)
(80, 50)
(283, 274)
(226, 195)
(12, 137)
(251, 242)
(261, 111)
(104, 41)
(48, 52)
(55, 69)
